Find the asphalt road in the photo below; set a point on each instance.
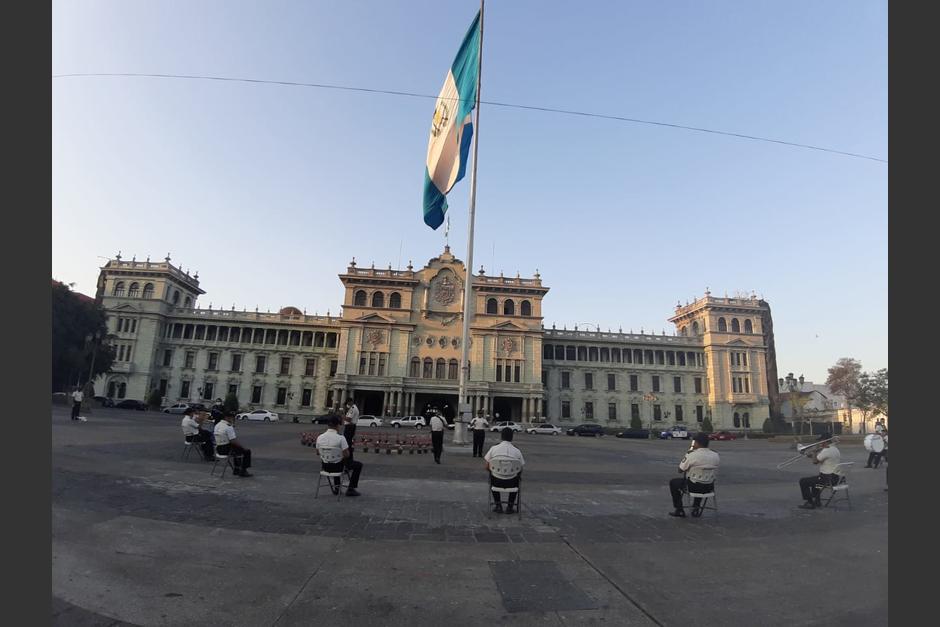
(140, 537)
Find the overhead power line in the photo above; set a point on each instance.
(507, 105)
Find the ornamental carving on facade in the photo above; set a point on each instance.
(446, 291)
(508, 344)
(442, 341)
(417, 340)
(375, 337)
(455, 342)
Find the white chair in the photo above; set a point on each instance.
(703, 475)
(840, 487)
(227, 459)
(506, 468)
(331, 455)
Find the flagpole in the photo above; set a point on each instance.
(468, 305)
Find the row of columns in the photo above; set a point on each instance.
(395, 401)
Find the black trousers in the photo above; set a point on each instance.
(354, 468)
(678, 485)
(204, 438)
(76, 407)
(241, 457)
(808, 485)
(479, 437)
(349, 432)
(437, 443)
(505, 483)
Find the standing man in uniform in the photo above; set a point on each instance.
(828, 457)
(77, 398)
(478, 425)
(349, 425)
(438, 424)
(227, 444)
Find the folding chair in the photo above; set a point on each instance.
(841, 486)
(227, 459)
(331, 455)
(506, 468)
(703, 475)
(187, 449)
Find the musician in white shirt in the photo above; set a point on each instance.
(504, 449)
(700, 462)
(77, 397)
(438, 424)
(478, 425)
(191, 431)
(828, 457)
(226, 443)
(332, 439)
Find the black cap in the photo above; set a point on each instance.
(701, 438)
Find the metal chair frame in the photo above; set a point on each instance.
(842, 470)
(702, 472)
(229, 463)
(332, 455)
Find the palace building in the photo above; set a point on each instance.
(395, 348)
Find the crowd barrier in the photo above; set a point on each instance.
(369, 442)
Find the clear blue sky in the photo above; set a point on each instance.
(269, 191)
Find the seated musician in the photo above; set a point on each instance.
(699, 458)
(193, 432)
(828, 457)
(332, 439)
(504, 449)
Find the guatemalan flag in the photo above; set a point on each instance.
(451, 128)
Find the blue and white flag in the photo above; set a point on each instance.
(451, 128)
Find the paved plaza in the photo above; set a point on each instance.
(143, 538)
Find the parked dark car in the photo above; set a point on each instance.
(128, 403)
(321, 420)
(104, 401)
(198, 407)
(722, 435)
(643, 434)
(586, 430)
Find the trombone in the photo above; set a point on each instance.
(806, 450)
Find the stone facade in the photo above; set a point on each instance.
(395, 348)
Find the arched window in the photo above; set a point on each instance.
(722, 325)
(525, 308)
(440, 371)
(415, 367)
(394, 301)
(148, 290)
(748, 327)
(118, 289)
(188, 302)
(747, 420)
(359, 300)
(122, 389)
(737, 421)
(134, 291)
(452, 369)
(491, 306)
(428, 368)
(735, 326)
(509, 308)
(176, 297)
(378, 299)
(695, 328)
(683, 331)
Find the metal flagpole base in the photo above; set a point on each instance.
(460, 424)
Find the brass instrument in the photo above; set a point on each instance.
(806, 450)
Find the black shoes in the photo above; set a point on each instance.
(510, 509)
(498, 508)
(437, 461)
(244, 473)
(808, 505)
(696, 512)
(679, 513)
(351, 492)
(817, 502)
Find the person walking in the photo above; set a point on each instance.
(77, 397)
(478, 425)
(438, 424)
(349, 425)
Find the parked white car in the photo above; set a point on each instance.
(678, 432)
(499, 426)
(179, 408)
(544, 428)
(410, 421)
(258, 414)
(368, 421)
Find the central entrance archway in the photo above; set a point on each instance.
(427, 404)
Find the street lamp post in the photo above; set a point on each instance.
(650, 398)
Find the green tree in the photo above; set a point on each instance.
(231, 402)
(843, 380)
(636, 423)
(154, 399)
(707, 425)
(872, 397)
(74, 319)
